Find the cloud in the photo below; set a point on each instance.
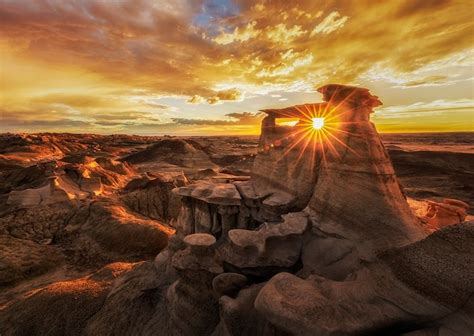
(290, 61)
(331, 23)
(218, 97)
(428, 81)
(429, 107)
(280, 33)
(231, 94)
(438, 115)
(196, 99)
(236, 118)
(238, 35)
(105, 57)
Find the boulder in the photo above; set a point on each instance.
(409, 288)
(228, 283)
(270, 246)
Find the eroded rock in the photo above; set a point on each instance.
(272, 245)
(406, 288)
(192, 294)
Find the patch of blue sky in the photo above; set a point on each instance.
(211, 13)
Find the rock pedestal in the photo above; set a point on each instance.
(208, 208)
(319, 241)
(193, 308)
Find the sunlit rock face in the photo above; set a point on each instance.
(319, 240)
(286, 168)
(357, 195)
(298, 245)
(448, 212)
(336, 170)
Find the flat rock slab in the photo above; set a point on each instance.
(199, 240)
(213, 193)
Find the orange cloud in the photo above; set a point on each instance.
(332, 22)
(93, 55)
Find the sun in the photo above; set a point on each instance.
(318, 123)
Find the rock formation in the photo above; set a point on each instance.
(66, 213)
(332, 174)
(307, 245)
(177, 152)
(421, 286)
(319, 240)
(448, 212)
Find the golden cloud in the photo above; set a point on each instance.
(220, 96)
(332, 22)
(238, 35)
(91, 55)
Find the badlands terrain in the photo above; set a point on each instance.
(83, 216)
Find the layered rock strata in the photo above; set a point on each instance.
(196, 268)
(319, 241)
(309, 244)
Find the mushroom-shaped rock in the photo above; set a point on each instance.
(193, 307)
(199, 254)
(208, 208)
(357, 195)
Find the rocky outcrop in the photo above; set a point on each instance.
(309, 246)
(357, 195)
(103, 231)
(208, 208)
(80, 178)
(40, 224)
(411, 288)
(153, 197)
(179, 152)
(447, 212)
(41, 238)
(332, 174)
(319, 241)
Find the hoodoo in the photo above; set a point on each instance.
(357, 194)
(321, 206)
(337, 171)
(318, 240)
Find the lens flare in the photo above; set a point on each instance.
(320, 129)
(318, 123)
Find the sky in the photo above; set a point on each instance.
(206, 67)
